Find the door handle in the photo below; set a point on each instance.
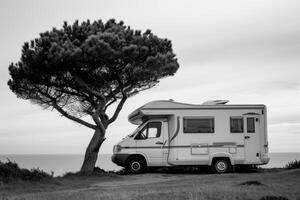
(247, 137)
(159, 143)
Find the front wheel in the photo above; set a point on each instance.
(135, 166)
(220, 166)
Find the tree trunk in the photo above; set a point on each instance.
(92, 150)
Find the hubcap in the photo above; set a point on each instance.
(221, 166)
(135, 166)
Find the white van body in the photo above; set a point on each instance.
(173, 134)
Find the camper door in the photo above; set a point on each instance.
(251, 138)
(149, 142)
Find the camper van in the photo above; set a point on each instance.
(214, 133)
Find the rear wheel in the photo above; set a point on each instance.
(220, 166)
(135, 166)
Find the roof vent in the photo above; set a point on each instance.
(215, 102)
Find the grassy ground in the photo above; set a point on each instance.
(278, 183)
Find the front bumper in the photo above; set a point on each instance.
(120, 159)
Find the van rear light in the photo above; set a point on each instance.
(266, 149)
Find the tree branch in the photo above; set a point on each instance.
(65, 89)
(71, 117)
(111, 102)
(95, 116)
(99, 107)
(98, 122)
(120, 105)
(82, 84)
(117, 111)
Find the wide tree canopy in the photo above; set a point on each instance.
(83, 68)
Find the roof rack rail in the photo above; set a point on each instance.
(215, 102)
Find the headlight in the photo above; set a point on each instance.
(117, 148)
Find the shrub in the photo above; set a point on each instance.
(293, 164)
(10, 171)
(96, 172)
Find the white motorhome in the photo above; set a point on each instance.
(176, 134)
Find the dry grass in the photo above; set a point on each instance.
(278, 185)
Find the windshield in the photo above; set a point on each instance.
(136, 130)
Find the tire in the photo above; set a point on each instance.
(135, 166)
(221, 166)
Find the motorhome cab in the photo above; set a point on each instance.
(172, 134)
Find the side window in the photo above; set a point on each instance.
(199, 125)
(151, 130)
(236, 125)
(142, 134)
(250, 125)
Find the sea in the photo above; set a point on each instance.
(59, 164)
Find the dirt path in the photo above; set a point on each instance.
(141, 179)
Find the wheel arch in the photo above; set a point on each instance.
(224, 155)
(139, 156)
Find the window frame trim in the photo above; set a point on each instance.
(236, 117)
(198, 117)
(253, 124)
(143, 128)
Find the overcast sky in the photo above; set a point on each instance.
(244, 51)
